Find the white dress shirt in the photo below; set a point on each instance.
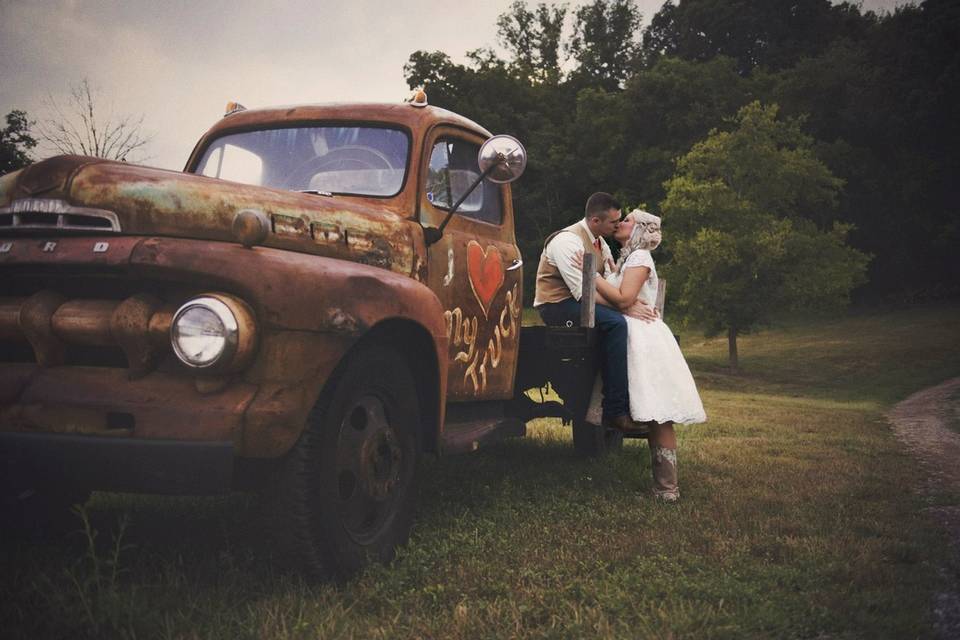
(564, 247)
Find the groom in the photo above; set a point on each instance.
(559, 289)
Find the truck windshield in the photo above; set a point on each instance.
(368, 161)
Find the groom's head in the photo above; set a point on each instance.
(602, 214)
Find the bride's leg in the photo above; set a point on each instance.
(663, 457)
(663, 435)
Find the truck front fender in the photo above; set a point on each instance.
(312, 311)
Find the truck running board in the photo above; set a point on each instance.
(461, 437)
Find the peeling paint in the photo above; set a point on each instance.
(327, 232)
(289, 225)
(341, 321)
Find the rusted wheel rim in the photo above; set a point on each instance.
(369, 468)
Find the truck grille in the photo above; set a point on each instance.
(87, 316)
(63, 331)
(49, 214)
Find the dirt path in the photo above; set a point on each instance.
(922, 422)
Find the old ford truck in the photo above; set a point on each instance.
(323, 295)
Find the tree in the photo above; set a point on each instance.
(744, 218)
(15, 142)
(533, 38)
(81, 127)
(770, 33)
(882, 109)
(435, 71)
(605, 42)
(630, 139)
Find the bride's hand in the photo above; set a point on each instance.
(578, 260)
(642, 311)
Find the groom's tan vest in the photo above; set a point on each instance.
(550, 285)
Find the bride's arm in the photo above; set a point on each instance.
(633, 280)
(626, 295)
(601, 299)
(610, 294)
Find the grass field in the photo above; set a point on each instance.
(797, 521)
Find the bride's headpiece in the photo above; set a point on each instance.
(646, 225)
(644, 217)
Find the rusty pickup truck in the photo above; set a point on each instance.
(325, 294)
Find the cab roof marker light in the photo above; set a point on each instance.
(233, 107)
(418, 98)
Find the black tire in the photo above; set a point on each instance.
(346, 493)
(592, 441)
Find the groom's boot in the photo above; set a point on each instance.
(664, 465)
(621, 423)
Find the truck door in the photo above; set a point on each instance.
(475, 268)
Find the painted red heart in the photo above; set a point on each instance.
(485, 269)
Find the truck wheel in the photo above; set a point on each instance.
(347, 491)
(593, 441)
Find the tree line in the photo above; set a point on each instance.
(608, 105)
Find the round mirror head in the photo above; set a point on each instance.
(506, 155)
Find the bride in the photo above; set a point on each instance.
(661, 388)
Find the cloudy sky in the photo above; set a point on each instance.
(178, 62)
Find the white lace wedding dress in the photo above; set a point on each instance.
(659, 382)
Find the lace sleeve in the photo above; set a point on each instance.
(639, 258)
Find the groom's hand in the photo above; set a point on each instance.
(641, 311)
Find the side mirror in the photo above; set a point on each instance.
(501, 159)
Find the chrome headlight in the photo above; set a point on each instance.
(213, 332)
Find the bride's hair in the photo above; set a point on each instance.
(639, 237)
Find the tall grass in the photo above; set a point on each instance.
(797, 520)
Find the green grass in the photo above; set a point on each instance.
(875, 359)
(797, 521)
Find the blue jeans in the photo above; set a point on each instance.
(613, 348)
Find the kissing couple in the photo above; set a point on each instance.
(646, 381)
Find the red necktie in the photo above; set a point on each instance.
(596, 243)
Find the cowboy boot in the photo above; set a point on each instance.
(664, 464)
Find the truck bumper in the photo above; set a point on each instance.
(105, 402)
(94, 428)
(115, 464)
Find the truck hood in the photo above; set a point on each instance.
(147, 201)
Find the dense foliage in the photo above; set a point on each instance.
(744, 209)
(15, 142)
(606, 105)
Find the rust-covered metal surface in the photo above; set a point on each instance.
(156, 202)
(476, 271)
(310, 309)
(291, 290)
(104, 402)
(7, 184)
(322, 272)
